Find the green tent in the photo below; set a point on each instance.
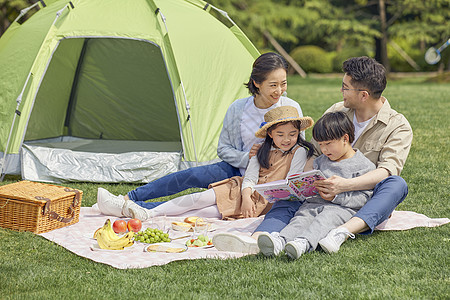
(116, 77)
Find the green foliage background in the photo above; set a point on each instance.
(338, 26)
(341, 26)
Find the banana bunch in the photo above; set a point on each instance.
(108, 239)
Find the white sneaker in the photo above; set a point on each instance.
(334, 239)
(235, 243)
(296, 248)
(110, 204)
(132, 210)
(270, 243)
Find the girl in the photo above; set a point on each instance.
(318, 215)
(283, 152)
(237, 142)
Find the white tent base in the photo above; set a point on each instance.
(79, 160)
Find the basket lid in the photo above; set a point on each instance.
(35, 191)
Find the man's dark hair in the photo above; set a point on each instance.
(366, 73)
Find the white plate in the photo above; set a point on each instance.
(212, 227)
(165, 246)
(146, 244)
(203, 247)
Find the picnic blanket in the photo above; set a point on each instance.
(78, 238)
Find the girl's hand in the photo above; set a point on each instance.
(254, 150)
(247, 207)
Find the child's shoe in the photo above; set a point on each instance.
(270, 243)
(296, 248)
(235, 243)
(334, 239)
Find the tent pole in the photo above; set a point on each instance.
(2, 167)
(190, 124)
(16, 113)
(163, 18)
(222, 12)
(71, 103)
(19, 98)
(25, 11)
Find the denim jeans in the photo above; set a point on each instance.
(279, 216)
(196, 177)
(387, 195)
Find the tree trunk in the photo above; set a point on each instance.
(4, 20)
(381, 43)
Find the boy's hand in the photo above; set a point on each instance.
(330, 187)
(254, 150)
(325, 196)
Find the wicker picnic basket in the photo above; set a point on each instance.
(38, 207)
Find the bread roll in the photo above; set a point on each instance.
(181, 226)
(191, 220)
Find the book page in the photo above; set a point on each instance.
(302, 183)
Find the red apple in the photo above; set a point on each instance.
(134, 225)
(120, 226)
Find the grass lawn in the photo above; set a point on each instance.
(413, 264)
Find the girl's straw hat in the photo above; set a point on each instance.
(282, 114)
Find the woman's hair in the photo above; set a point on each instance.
(262, 66)
(366, 73)
(333, 126)
(264, 150)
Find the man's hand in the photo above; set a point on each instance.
(254, 150)
(330, 187)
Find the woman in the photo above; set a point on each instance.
(237, 142)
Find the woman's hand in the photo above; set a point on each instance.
(247, 207)
(254, 150)
(330, 187)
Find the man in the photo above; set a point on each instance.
(381, 134)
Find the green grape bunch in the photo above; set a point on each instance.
(151, 236)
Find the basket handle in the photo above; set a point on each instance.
(55, 216)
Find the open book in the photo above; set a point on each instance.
(295, 187)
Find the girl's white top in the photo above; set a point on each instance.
(252, 173)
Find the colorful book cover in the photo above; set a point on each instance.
(296, 187)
